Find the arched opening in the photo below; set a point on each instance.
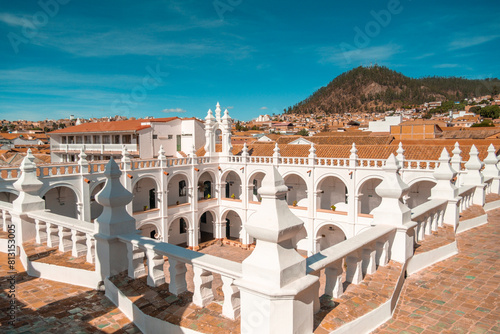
(8, 197)
(144, 192)
(327, 236)
(178, 232)
(255, 182)
(297, 190)
(368, 198)
(63, 201)
(333, 192)
(207, 232)
(233, 185)
(95, 208)
(205, 183)
(178, 190)
(233, 225)
(149, 231)
(419, 193)
(218, 136)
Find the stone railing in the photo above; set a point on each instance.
(420, 164)
(361, 254)
(332, 162)
(370, 163)
(489, 182)
(94, 147)
(59, 169)
(8, 173)
(5, 209)
(65, 233)
(467, 194)
(428, 216)
(204, 266)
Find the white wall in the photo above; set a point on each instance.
(384, 125)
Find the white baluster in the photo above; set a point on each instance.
(63, 235)
(231, 306)
(177, 272)
(49, 234)
(354, 273)
(369, 265)
(135, 260)
(203, 294)
(156, 276)
(382, 255)
(333, 282)
(89, 242)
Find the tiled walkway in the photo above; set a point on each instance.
(458, 295)
(45, 306)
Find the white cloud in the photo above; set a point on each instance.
(462, 43)
(344, 56)
(424, 56)
(446, 65)
(264, 108)
(13, 20)
(230, 107)
(173, 110)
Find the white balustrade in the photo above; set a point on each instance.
(467, 194)
(204, 267)
(68, 234)
(428, 216)
(361, 254)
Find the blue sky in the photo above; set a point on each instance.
(178, 58)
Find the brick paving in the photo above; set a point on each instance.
(45, 306)
(158, 302)
(458, 295)
(443, 236)
(358, 299)
(52, 255)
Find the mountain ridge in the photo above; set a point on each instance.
(378, 88)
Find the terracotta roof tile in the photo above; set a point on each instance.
(130, 125)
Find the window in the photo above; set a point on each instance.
(182, 226)
(97, 139)
(116, 139)
(88, 139)
(182, 188)
(79, 139)
(71, 140)
(155, 136)
(64, 139)
(255, 182)
(126, 139)
(105, 139)
(170, 136)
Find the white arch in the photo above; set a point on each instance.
(9, 190)
(361, 182)
(226, 173)
(293, 172)
(180, 215)
(257, 171)
(323, 177)
(150, 222)
(329, 222)
(211, 210)
(95, 184)
(47, 188)
(420, 179)
(144, 176)
(224, 213)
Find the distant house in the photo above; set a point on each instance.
(416, 130)
(142, 138)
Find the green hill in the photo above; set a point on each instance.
(377, 88)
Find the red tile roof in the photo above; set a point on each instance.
(130, 125)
